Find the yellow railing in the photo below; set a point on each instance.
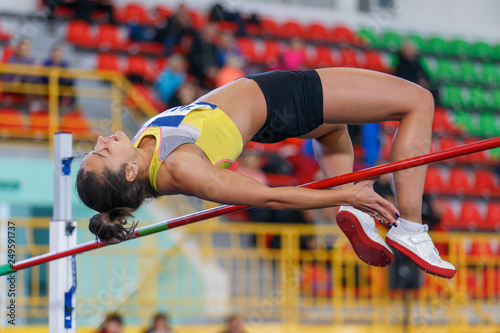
(204, 272)
(107, 85)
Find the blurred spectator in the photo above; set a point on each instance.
(219, 13)
(409, 67)
(112, 324)
(227, 46)
(234, 325)
(174, 29)
(294, 57)
(172, 77)
(160, 324)
(56, 59)
(85, 9)
(230, 71)
(203, 60)
(186, 94)
(249, 164)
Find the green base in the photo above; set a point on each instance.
(6, 269)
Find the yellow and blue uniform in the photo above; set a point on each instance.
(200, 123)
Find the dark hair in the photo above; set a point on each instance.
(115, 198)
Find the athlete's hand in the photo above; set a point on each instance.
(367, 200)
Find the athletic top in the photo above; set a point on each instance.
(200, 123)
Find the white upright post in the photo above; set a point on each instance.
(62, 234)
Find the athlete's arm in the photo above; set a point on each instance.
(190, 174)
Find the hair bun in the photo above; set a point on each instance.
(109, 226)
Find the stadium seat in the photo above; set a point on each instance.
(492, 220)
(490, 73)
(161, 63)
(391, 41)
(4, 36)
(78, 33)
(76, 123)
(227, 26)
(163, 12)
(39, 122)
(466, 122)
(459, 183)
(323, 57)
(445, 70)
(448, 142)
(496, 99)
(495, 52)
(134, 13)
(452, 96)
(373, 61)
(477, 99)
(368, 36)
(272, 51)
(448, 218)
(137, 65)
(489, 124)
(290, 29)
(342, 34)
(247, 48)
(348, 57)
(437, 45)
(269, 27)
(108, 61)
(108, 38)
(7, 52)
(198, 20)
(476, 158)
(470, 216)
(442, 122)
(460, 48)
(434, 182)
(481, 50)
(485, 183)
(11, 122)
(418, 42)
(316, 32)
(467, 72)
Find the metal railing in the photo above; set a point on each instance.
(290, 275)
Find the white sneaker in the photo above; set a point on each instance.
(418, 246)
(359, 227)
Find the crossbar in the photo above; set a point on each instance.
(154, 228)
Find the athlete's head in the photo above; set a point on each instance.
(108, 182)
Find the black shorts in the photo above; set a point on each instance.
(294, 102)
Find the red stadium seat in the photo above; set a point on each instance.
(108, 62)
(161, 63)
(227, 26)
(485, 183)
(78, 33)
(137, 65)
(459, 182)
(4, 36)
(434, 182)
(492, 220)
(198, 20)
(342, 35)
(163, 12)
(470, 216)
(108, 38)
(11, 122)
(446, 143)
(442, 122)
(448, 218)
(7, 53)
(476, 158)
(316, 32)
(272, 51)
(373, 61)
(291, 29)
(247, 48)
(134, 13)
(349, 58)
(269, 28)
(323, 58)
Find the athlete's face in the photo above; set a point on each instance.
(110, 152)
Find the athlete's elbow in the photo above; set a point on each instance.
(273, 200)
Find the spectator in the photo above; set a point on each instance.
(160, 324)
(294, 56)
(185, 95)
(172, 77)
(219, 13)
(203, 60)
(85, 9)
(249, 164)
(409, 67)
(227, 47)
(56, 59)
(112, 324)
(234, 325)
(231, 71)
(174, 29)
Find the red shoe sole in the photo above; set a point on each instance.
(367, 250)
(428, 268)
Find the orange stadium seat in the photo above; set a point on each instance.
(316, 32)
(459, 183)
(76, 123)
(78, 33)
(108, 38)
(11, 121)
(108, 61)
(39, 122)
(470, 216)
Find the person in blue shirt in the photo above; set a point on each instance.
(172, 77)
